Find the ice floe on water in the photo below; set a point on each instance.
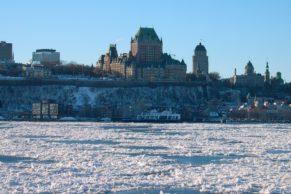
(144, 158)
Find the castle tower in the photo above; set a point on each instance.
(112, 51)
(200, 59)
(146, 46)
(110, 56)
(267, 74)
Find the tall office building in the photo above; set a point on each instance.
(6, 53)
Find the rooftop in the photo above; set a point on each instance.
(3, 42)
(45, 50)
(200, 47)
(147, 34)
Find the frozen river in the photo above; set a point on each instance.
(130, 158)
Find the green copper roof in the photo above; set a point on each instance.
(146, 34)
(200, 47)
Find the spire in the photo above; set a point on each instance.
(267, 74)
(235, 71)
(267, 67)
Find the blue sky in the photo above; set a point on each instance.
(233, 31)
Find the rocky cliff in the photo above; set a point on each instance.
(20, 98)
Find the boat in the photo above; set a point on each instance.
(106, 119)
(166, 116)
(68, 119)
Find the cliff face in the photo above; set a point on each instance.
(20, 98)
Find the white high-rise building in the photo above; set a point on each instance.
(46, 56)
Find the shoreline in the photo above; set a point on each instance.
(155, 122)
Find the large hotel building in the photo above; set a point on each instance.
(145, 61)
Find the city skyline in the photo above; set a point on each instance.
(233, 33)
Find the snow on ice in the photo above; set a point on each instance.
(118, 157)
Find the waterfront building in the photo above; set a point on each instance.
(6, 52)
(47, 57)
(45, 110)
(145, 61)
(200, 60)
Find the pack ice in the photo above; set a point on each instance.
(116, 157)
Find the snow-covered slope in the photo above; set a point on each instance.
(22, 97)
